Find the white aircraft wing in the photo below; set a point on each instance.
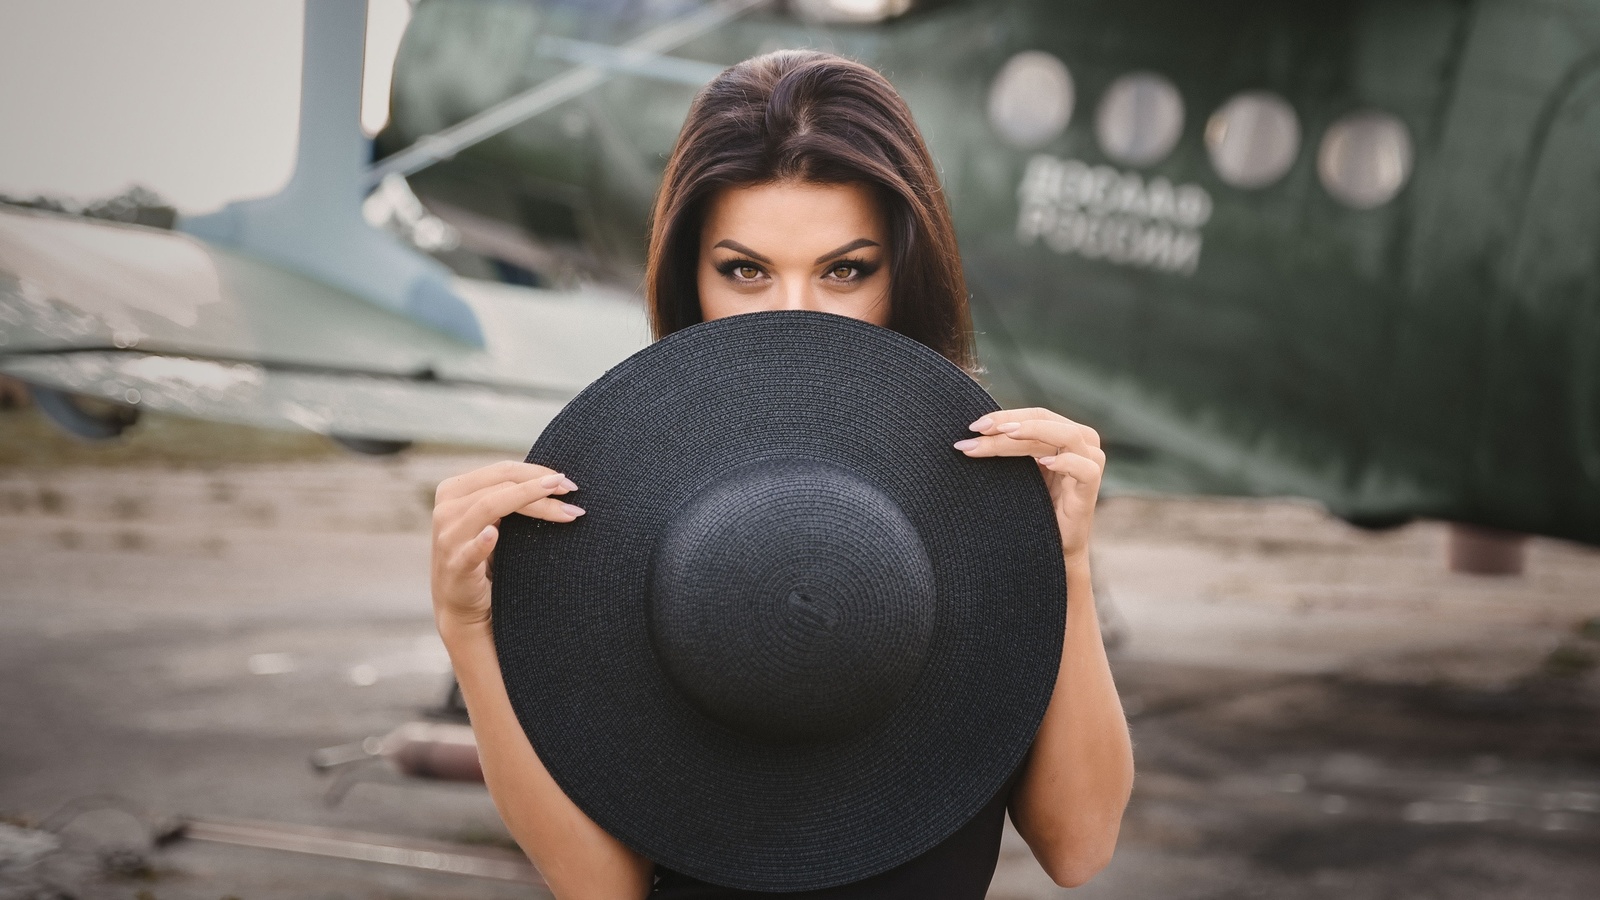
(164, 321)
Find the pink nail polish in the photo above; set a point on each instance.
(569, 484)
(1009, 427)
(981, 424)
(571, 510)
(550, 480)
(968, 444)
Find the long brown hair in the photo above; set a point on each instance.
(812, 116)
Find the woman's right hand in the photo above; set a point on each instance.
(577, 857)
(466, 512)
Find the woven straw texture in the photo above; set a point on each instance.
(797, 639)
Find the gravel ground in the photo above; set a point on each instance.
(1317, 711)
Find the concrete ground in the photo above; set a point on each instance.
(1318, 711)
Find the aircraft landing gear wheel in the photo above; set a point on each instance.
(88, 418)
(369, 446)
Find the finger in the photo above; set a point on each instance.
(1080, 468)
(474, 553)
(504, 471)
(1003, 445)
(1094, 454)
(489, 506)
(1063, 434)
(551, 510)
(988, 421)
(1007, 421)
(451, 510)
(1034, 437)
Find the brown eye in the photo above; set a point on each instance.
(843, 272)
(746, 272)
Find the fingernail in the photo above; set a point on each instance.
(1009, 427)
(981, 424)
(569, 484)
(1046, 460)
(968, 444)
(551, 480)
(571, 510)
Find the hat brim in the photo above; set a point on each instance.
(571, 619)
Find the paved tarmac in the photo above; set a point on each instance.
(1318, 711)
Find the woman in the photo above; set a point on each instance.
(799, 181)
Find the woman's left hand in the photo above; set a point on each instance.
(1068, 454)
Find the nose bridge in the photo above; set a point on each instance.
(797, 292)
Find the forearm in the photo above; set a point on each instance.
(1069, 801)
(577, 858)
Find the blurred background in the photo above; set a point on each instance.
(1325, 275)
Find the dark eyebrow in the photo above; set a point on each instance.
(855, 244)
(737, 247)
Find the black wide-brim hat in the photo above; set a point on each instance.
(798, 639)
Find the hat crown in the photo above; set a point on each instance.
(791, 601)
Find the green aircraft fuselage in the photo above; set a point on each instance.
(1391, 305)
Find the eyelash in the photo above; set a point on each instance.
(726, 269)
(864, 269)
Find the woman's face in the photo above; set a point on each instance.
(795, 245)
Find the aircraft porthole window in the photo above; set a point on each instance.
(1030, 101)
(1253, 139)
(1140, 119)
(1365, 159)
